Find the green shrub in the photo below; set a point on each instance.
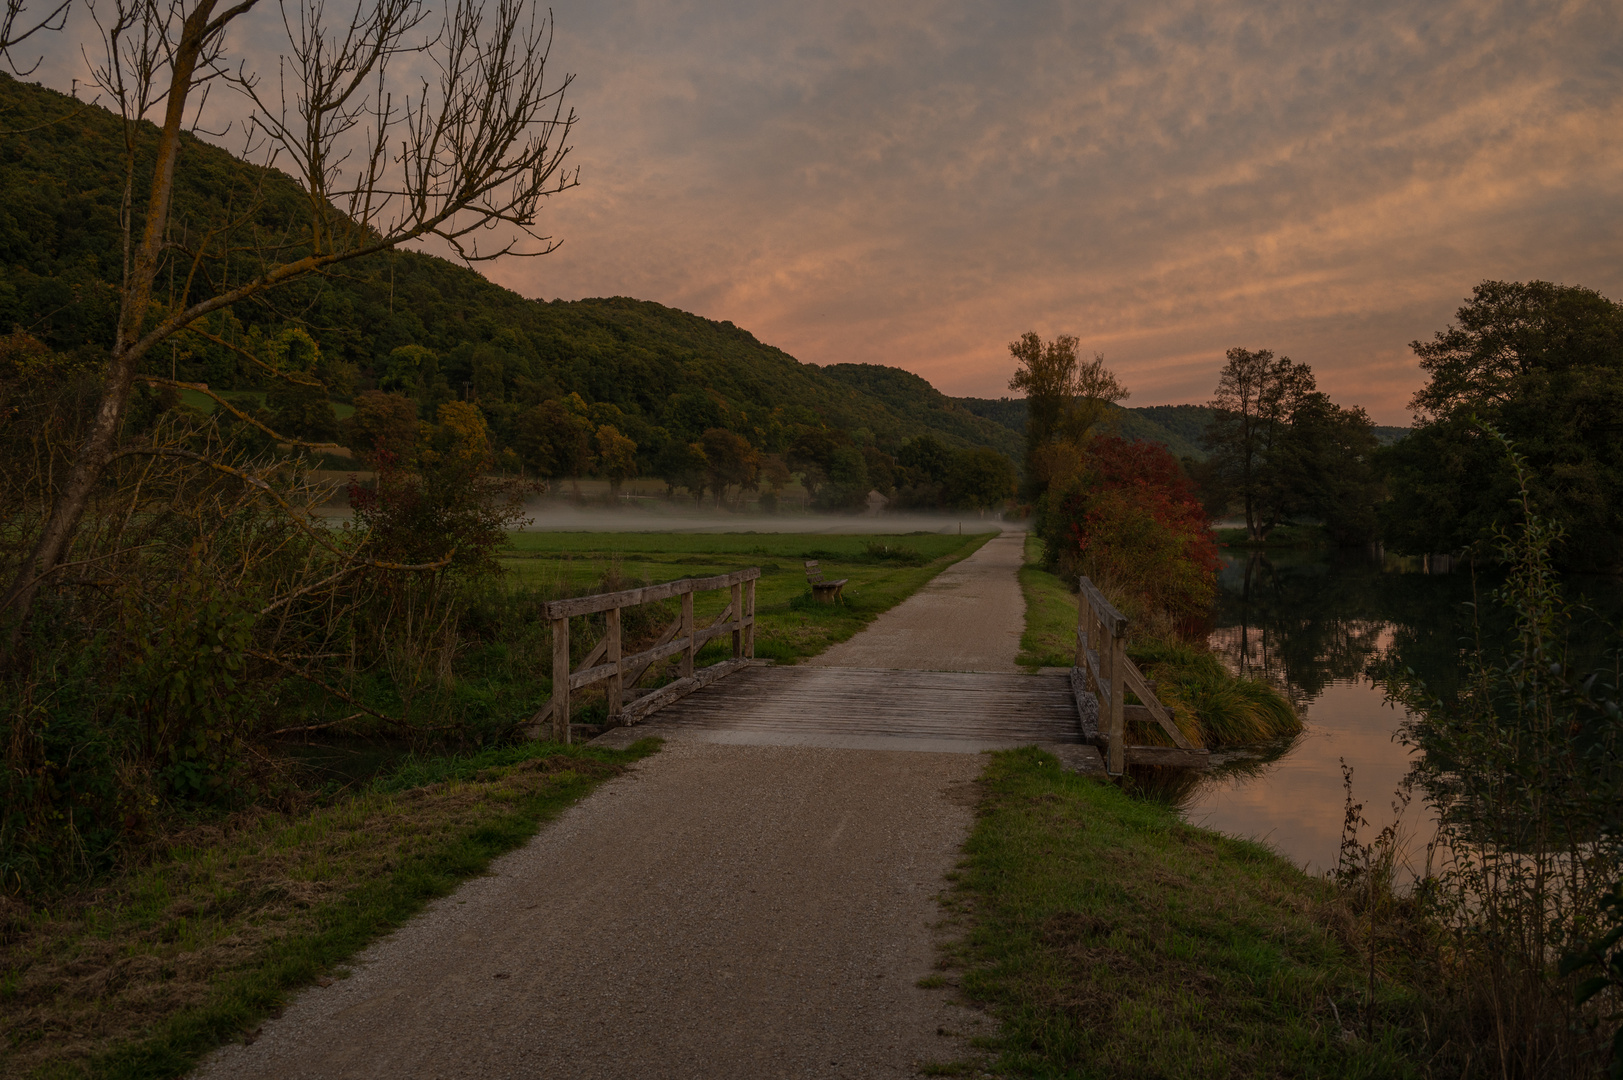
(1211, 704)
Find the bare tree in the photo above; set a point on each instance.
(18, 24)
(468, 153)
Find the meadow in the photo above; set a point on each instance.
(881, 570)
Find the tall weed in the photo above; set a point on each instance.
(1525, 767)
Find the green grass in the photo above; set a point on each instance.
(1049, 639)
(213, 937)
(1112, 940)
(882, 570)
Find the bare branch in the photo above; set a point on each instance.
(480, 148)
(298, 672)
(202, 388)
(17, 26)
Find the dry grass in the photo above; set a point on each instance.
(143, 974)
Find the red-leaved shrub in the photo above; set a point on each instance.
(1129, 519)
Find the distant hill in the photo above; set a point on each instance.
(1387, 434)
(909, 395)
(670, 374)
(1179, 428)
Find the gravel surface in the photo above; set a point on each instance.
(719, 911)
(968, 618)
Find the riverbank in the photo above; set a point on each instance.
(1111, 939)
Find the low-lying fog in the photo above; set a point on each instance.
(562, 515)
(548, 514)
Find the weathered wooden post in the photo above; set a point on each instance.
(560, 679)
(738, 621)
(1083, 611)
(687, 634)
(749, 608)
(611, 634)
(1116, 646)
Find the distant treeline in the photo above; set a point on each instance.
(1180, 428)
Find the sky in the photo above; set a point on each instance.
(916, 183)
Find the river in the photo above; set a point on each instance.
(1315, 623)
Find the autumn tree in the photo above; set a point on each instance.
(729, 460)
(1066, 398)
(463, 158)
(774, 476)
(616, 457)
(383, 424)
(555, 440)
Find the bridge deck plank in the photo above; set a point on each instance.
(985, 706)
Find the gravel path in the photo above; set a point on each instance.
(719, 911)
(969, 618)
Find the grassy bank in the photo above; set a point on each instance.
(143, 975)
(1210, 704)
(1113, 940)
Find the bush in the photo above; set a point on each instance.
(1127, 517)
(1210, 704)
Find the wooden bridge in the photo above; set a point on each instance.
(1077, 714)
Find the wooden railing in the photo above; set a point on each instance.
(1104, 670)
(605, 663)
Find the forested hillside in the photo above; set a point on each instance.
(1177, 427)
(424, 327)
(1180, 428)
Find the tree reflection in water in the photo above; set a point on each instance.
(1304, 619)
(1316, 624)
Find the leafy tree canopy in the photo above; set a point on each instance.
(1543, 363)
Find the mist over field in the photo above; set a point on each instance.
(559, 515)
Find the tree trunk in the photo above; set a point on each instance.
(102, 443)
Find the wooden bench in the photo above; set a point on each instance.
(823, 589)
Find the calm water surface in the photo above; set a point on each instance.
(1316, 623)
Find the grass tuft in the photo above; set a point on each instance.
(1228, 711)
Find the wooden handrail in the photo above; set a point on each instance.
(590, 605)
(622, 672)
(1108, 673)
